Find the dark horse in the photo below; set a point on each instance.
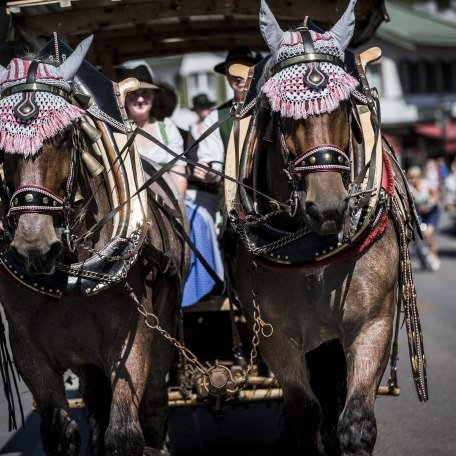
(333, 321)
(102, 337)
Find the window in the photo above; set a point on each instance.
(374, 76)
(201, 83)
(427, 77)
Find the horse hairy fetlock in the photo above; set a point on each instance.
(59, 433)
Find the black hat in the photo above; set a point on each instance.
(201, 101)
(238, 54)
(141, 71)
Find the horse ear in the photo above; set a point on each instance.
(342, 32)
(270, 29)
(71, 65)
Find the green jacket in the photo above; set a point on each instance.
(225, 128)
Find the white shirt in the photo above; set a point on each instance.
(212, 148)
(174, 141)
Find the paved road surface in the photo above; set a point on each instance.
(405, 427)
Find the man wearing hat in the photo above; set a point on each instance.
(202, 106)
(139, 105)
(212, 150)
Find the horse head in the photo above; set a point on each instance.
(306, 89)
(37, 144)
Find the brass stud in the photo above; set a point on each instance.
(29, 197)
(340, 158)
(45, 200)
(54, 203)
(327, 157)
(312, 160)
(15, 201)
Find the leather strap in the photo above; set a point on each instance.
(307, 58)
(307, 41)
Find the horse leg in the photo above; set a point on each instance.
(328, 379)
(302, 411)
(123, 436)
(154, 407)
(59, 432)
(367, 356)
(96, 392)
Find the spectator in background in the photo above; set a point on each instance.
(139, 106)
(202, 105)
(432, 175)
(450, 190)
(444, 171)
(426, 194)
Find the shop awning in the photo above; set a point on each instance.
(434, 130)
(440, 133)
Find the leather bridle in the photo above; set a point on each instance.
(29, 197)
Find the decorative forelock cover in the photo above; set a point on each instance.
(287, 91)
(53, 114)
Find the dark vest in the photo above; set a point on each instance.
(225, 128)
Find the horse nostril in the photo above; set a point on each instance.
(313, 211)
(54, 251)
(18, 255)
(343, 206)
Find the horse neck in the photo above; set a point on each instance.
(96, 205)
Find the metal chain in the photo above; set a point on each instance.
(243, 236)
(92, 275)
(259, 327)
(155, 324)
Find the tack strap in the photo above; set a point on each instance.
(325, 157)
(36, 87)
(35, 199)
(307, 58)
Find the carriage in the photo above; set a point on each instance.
(218, 359)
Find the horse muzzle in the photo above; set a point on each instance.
(322, 219)
(35, 243)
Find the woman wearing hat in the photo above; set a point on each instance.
(139, 106)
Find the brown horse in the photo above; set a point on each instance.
(102, 337)
(332, 323)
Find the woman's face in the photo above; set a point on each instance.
(139, 103)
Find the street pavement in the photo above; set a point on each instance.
(405, 426)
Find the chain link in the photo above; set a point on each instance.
(260, 327)
(243, 236)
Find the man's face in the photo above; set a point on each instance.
(235, 82)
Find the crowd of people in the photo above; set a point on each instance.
(434, 189)
(200, 187)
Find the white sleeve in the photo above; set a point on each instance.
(175, 140)
(212, 149)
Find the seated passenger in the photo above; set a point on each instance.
(139, 106)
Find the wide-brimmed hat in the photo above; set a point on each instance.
(242, 53)
(201, 101)
(139, 70)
